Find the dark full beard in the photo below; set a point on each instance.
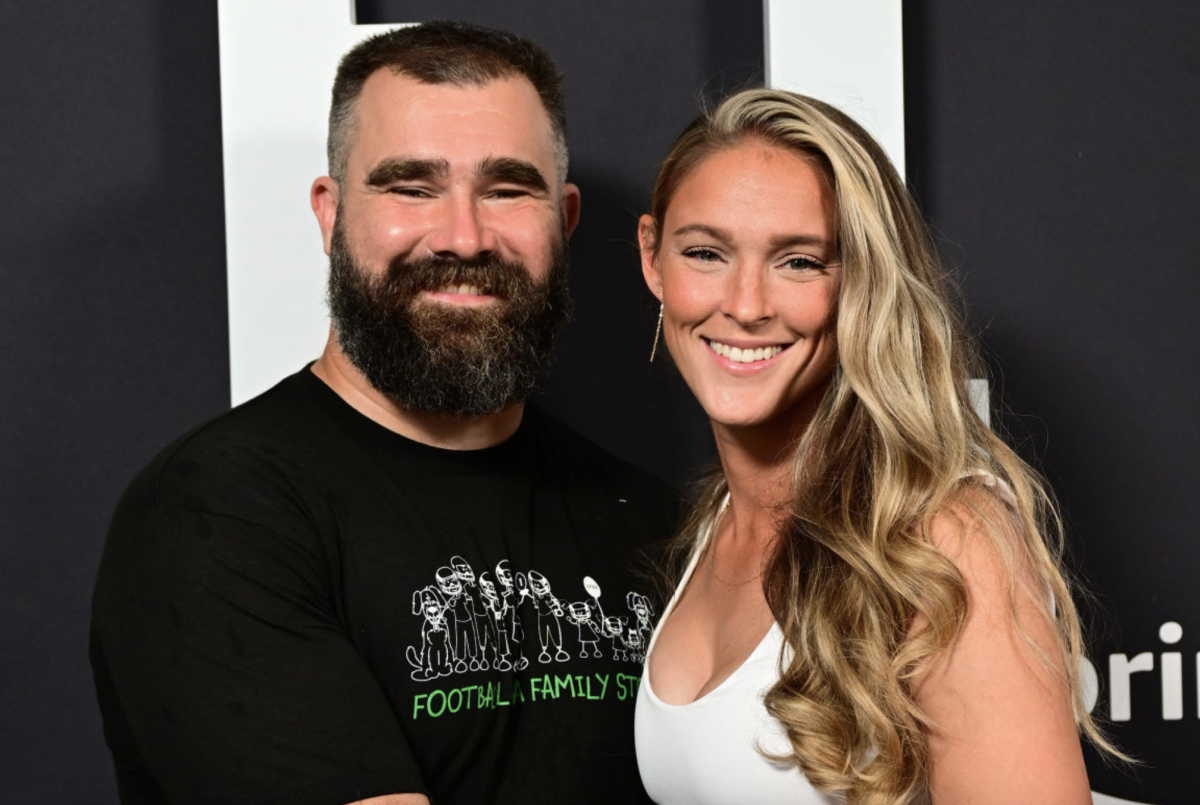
(434, 358)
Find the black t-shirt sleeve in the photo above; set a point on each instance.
(225, 672)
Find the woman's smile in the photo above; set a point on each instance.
(744, 357)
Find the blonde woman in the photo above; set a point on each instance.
(866, 608)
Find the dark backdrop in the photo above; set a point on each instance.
(113, 332)
(1052, 147)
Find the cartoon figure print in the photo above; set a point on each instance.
(580, 614)
(549, 610)
(640, 606)
(614, 628)
(472, 647)
(434, 658)
(473, 623)
(493, 631)
(462, 621)
(633, 642)
(514, 631)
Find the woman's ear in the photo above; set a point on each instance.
(648, 245)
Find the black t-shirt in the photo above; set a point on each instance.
(296, 605)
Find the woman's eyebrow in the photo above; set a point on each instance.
(777, 243)
(703, 229)
(790, 241)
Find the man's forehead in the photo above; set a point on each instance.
(388, 91)
(402, 117)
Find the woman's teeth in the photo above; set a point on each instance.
(744, 355)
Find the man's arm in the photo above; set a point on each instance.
(219, 649)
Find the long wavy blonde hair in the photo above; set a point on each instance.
(864, 601)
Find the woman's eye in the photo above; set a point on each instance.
(800, 263)
(702, 254)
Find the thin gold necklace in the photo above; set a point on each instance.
(712, 553)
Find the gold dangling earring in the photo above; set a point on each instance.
(657, 332)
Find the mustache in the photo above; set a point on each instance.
(407, 277)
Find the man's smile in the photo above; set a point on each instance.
(464, 295)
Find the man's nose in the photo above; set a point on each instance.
(461, 229)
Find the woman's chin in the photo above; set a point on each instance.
(744, 421)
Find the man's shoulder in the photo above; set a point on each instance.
(245, 445)
(234, 492)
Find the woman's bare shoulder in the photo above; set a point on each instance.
(1002, 728)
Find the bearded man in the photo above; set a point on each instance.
(276, 584)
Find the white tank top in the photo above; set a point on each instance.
(705, 752)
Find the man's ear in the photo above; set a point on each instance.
(570, 208)
(324, 200)
(648, 246)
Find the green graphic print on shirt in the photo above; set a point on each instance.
(472, 623)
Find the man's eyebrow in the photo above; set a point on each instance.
(393, 170)
(514, 171)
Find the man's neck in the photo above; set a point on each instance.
(436, 430)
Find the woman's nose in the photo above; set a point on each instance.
(746, 295)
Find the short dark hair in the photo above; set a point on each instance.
(442, 52)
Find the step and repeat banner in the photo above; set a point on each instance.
(1051, 144)
(164, 263)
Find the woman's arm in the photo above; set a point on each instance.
(1003, 724)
